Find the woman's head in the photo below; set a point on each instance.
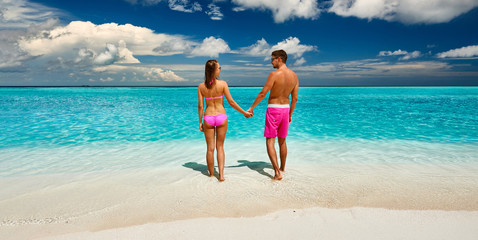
(211, 72)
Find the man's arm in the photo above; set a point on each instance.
(262, 94)
(294, 94)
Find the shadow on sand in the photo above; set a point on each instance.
(198, 167)
(256, 166)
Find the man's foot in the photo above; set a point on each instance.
(278, 177)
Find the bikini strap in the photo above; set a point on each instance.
(213, 97)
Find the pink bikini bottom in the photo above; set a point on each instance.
(215, 120)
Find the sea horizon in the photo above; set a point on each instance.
(252, 86)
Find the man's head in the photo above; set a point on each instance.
(278, 56)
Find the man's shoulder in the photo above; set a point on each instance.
(275, 73)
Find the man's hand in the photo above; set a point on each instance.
(248, 114)
(290, 118)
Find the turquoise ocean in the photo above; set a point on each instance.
(87, 129)
(91, 158)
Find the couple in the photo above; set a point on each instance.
(281, 83)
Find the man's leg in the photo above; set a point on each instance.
(283, 153)
(271, 151)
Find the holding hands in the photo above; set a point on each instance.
(248, 114)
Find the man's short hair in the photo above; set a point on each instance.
(280, 53)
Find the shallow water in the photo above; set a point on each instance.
(51, 130)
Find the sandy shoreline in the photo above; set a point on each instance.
(329, 198)
(313, 223)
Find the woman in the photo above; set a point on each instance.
(215, 118)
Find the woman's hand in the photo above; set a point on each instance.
(201, 128)
(248, 114)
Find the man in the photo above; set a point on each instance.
(282, 83)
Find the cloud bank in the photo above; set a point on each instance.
(80, 45)
(291, 45)
(405, 55)
(464, 52)
(376, 68)
(19, 14)
(405, 11)
(138, 73)
(282, 10)
(121, 41)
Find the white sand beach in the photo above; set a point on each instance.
(313, 223)
(325, 202)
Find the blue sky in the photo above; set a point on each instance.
(167, 42)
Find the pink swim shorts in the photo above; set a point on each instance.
(277, 121)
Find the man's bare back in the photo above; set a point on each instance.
(284, 82)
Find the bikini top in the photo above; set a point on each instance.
(213, 97)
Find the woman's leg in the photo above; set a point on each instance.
(221, 136)
(209, 133)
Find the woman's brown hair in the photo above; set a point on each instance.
(210, 69)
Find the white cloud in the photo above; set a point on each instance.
(112, 54)
(184, 6)
(80, 34)
(282, 10)
(260, 48)
(300, 62)
(83, 44)
(239, 9)
(214, 12)
(414, 54)
(139, 73)
(464, 52)
(174, 46)
(293, 47)
(394, 53)
(406, 55)
(157, 74)
(124, 54)
(107, 79)
(12, 56)
(211, 47)
(290, 45)
(144, 2)
(108, 56)
(405, 11)
(67, 40)
(377, 68)
(16, 14)
(78, 38)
